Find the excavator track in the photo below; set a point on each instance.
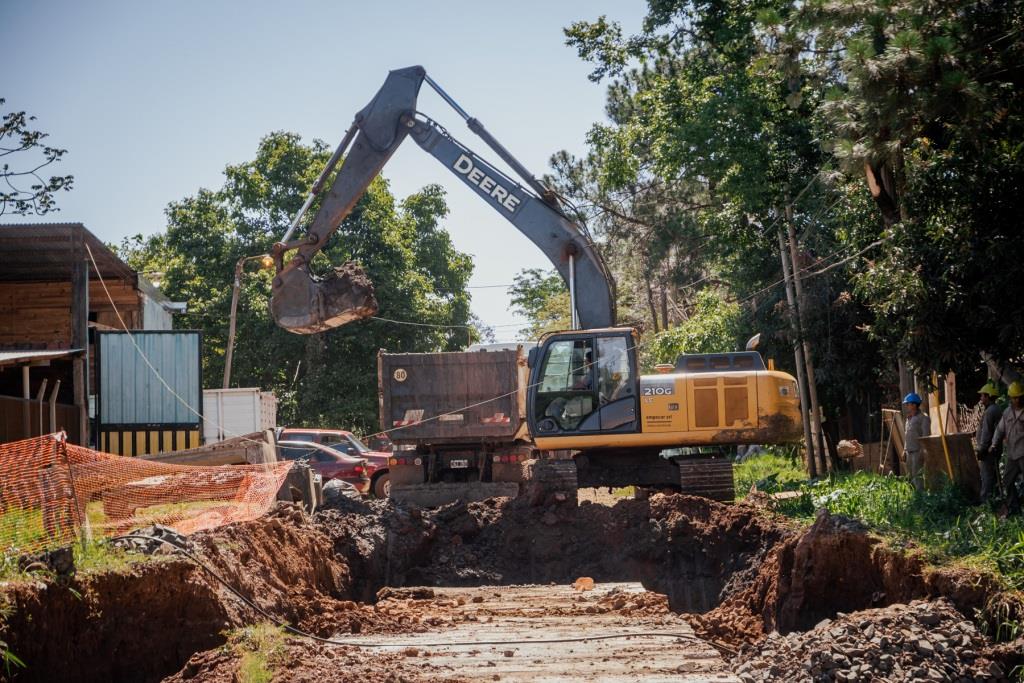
(709, 477)
(549, 480)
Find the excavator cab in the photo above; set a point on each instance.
(584, 383)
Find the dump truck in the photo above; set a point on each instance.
(458, 421)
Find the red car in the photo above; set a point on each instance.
(347, 442)
(330, 463)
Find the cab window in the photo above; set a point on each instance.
(613, 374)
(567, 387)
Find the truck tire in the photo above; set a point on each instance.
(382, 486)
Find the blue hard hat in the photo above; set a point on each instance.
(912, 398)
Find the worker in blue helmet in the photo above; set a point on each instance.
(917, 426)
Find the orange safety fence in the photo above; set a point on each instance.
(51, 491)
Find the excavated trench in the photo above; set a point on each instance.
(738, 572)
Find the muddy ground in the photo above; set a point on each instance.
(743, 578)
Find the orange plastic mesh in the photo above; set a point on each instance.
(50, 490)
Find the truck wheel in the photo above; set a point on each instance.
(382, 486)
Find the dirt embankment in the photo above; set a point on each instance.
(134, 626)
(738, 571)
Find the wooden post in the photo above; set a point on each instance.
(78, 383)
(80, 336)
(228, 355)
(812, 468)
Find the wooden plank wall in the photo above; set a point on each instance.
(38, 314)
(12, 425)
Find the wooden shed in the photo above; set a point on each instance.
(58, 284)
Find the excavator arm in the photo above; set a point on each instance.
(302, 304)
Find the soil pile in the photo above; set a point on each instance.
(136, 625)
(737, 572)
(922, 641)
(690, 549)
(309, 662)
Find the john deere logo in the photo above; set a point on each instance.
(401, 375)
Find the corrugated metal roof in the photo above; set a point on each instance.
(15, 357)
(44, 252)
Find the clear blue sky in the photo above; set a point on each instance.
(153, 99)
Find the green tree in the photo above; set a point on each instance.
(24, 191)
(923, 113)
(327, 379)
(541, 297)
(712, 149)
(715, 326)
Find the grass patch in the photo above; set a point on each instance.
(21, 528)
(261, 648)
(944, 524)
(771, 471)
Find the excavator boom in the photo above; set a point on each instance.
(303, 304)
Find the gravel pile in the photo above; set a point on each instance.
(922, 641)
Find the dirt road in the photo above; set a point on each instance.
(656, 645)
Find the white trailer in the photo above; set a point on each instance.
(230, 412)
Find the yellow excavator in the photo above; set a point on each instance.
(584, 397)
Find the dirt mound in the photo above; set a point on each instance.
(832, 567)
(684, 547)
(282, 562)
(303, 661)
(738, 572)
(138, 625)
(922, 641)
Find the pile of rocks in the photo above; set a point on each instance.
(922, 641)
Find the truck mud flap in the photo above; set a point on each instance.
(435, 495)
(707, 477)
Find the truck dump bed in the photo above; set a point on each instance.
(452, 397)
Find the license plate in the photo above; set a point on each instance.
(460, 464)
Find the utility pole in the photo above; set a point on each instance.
(808, 359)
(265, 262)
(794, 322)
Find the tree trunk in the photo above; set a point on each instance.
(812, 388)
(650, 300)
(794, 323)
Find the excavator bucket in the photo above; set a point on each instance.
(304, 305)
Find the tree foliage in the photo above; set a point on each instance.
(886, 134)
(24, 190)
(715, 326)
(327, 379)
(542, 297)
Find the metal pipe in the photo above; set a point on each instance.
(485, 135)
(318, 185)
(447, 98)
(53, 407)
(26, 394)
(506, 156)
(39, 399)
(572, 293)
